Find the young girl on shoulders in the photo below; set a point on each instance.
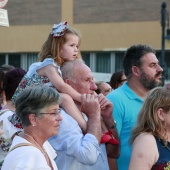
(62, 45)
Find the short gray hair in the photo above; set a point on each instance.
(33, 99)
(69, 69)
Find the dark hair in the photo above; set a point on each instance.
(11, 80)
(1, 82)
(3, 69)
(116, 79)
(33, 100)
(133, 57)
(1, 78)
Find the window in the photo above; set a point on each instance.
(103, 62)
(14, 60)
(2, 59)
(31, 58)
(86, 58)
(119, 61)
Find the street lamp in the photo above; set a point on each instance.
(164, 17)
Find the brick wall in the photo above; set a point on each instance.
(103, 11)
(33, 12)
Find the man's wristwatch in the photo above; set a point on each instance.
(112, 126)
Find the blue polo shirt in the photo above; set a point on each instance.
(126, 106)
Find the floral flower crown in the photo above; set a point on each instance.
(59, 29)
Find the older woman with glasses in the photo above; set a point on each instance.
(38, 109)
(151, 136)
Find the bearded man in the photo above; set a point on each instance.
(143, 73)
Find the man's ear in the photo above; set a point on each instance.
(136, 70)
(67, 81)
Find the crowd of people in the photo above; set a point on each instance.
(56, 116)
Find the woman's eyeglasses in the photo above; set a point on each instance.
(54, 115)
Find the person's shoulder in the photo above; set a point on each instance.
(26, 156)
(116, 95)
(48, 61)
(25, 148)
(145, 135)
(144, 138)
(6, 111)
(37, 65)
(67, 122)
(145, 144)
(119, 90)
(4, 114)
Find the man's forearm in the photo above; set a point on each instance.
(94, 127)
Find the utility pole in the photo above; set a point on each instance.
(163, 21)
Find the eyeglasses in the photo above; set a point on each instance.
(54, 115)
(123, 80)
